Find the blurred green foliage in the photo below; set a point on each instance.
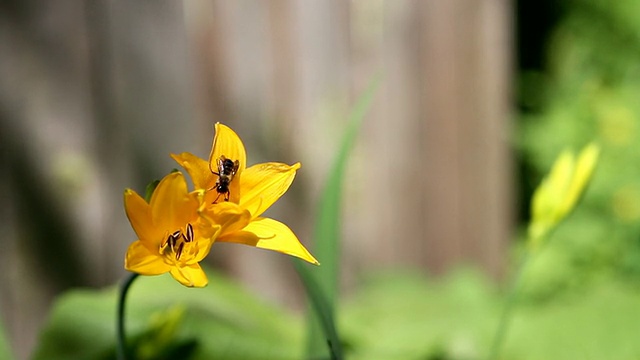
(394, 315)
(5, 348)
(588, 91)
(164, 318)
(405, 316)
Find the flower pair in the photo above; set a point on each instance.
(177, 228)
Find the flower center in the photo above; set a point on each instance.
(176, 240)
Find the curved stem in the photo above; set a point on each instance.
(121, 345)
(505, 317)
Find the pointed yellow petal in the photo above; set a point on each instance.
(547, 198)
(142, 261)
(273, 235)
(139, 214)
(197, 168)
(227, 143)
(585, 165)
(263, 184)
(171, 206)
(191, 275)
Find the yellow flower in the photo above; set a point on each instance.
(560, 191)
(249, 191)
(173, 237)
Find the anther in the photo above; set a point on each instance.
(171, 242)
(179, 251)
(189, 236)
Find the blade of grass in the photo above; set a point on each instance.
(327, 233)
(322, 307)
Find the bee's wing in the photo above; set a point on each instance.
(219, 162)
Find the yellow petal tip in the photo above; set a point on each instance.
(192, 285)
(180, 157)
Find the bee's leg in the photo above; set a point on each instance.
(226, 196)
(216, 200)
(215, 184)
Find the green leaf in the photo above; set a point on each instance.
(221, 321)
(327, 229)
(149, 190)
(322, 307)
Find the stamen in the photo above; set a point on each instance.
(189, 237)
(172, 240)
(179, 251)
(177, 239)
(166, 243)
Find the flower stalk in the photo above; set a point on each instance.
(121, 346)
(512, 297)
(553, 200)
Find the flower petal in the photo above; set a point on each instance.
(203, 243)
(585, 165)
(139, 214)
(171, 206)
(263, 184)
(191, 275)
(197, 168)
(227, 143)
(229, 216)
(142, 261)
(273, 235)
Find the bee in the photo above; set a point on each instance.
(226, 170)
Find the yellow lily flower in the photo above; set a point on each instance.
(237, 195)
(560, 191)
(172, 236)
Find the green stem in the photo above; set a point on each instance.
(505, 317)
(121, 345)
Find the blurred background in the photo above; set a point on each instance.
(477, 99)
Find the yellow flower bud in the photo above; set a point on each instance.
(560, 191)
